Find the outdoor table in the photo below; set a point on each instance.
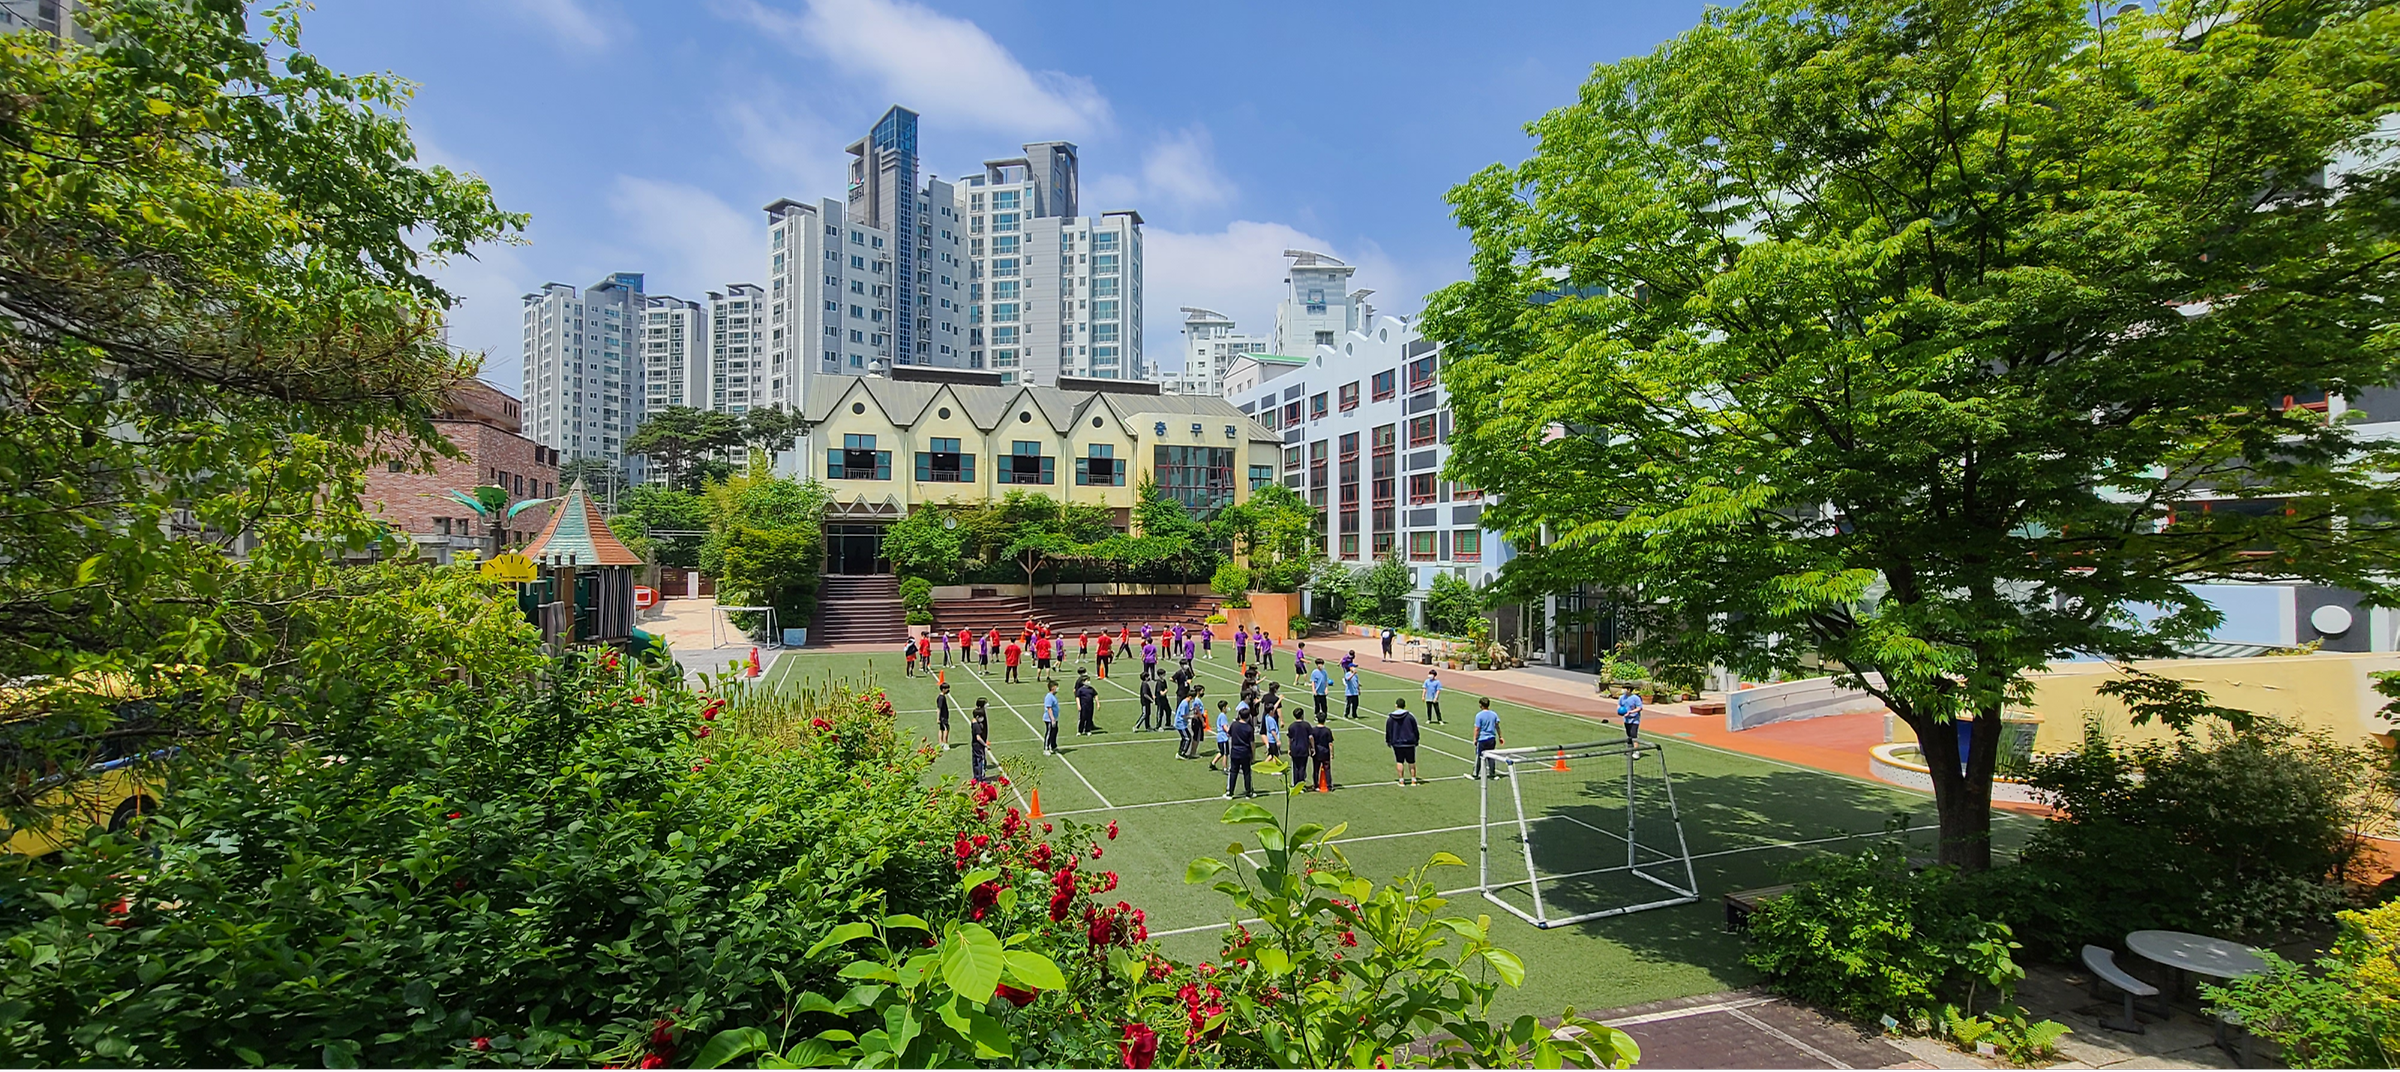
(2200, 954)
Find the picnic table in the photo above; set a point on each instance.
(2199, 954)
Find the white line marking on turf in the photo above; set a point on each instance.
(1696, 1010)
(1062, 759)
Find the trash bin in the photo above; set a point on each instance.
(795, 638)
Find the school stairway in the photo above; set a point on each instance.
(1070, 614)
(860, 610)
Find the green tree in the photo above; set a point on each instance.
(1188, 548)
(1450, 604)
(682, 442)
(650, 511)
(1385, 587)
(1913, 338)
(198, 370)
(930, 542)
(766, 543)
(1279, 532)
(771, 429)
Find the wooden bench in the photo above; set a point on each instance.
(1740, 903)
(2102, 963)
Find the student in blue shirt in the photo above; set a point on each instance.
(1050, 719)
(1224, 735)
(1629, 710)
(1320, 681)
(1487, 733)
(1183, 728)
(1433, 696)
(1350, 692)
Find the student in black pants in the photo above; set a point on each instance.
(979, 737)
(1240, 737)
(1324, 755)
(1087, 699)
(1304, 745)
(941, 709)
(1158, 699)
(1142, 689)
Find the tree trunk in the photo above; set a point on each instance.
(1962, 799)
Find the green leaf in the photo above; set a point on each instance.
(904, 921)
(89, 570)
(1511, 969)
(847, 932)
(724, 1046)
(1203, 869)
(868, 969)
(972, 958)
(1274, 961)
(1444, 859)
(1243, 811)
(1033, 970)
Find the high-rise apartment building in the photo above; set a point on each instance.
(876, 279)
(1210, 343)
(737, 349)
(674, 370)
(1317, 309)
(1050, 293)
(585, 364)
(53, 17)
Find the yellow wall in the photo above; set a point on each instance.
(2327, 690)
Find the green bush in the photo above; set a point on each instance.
(1864, 936)
(1232, 582)
(916, 597)
(2236, 833)
(2346, 1014)
(1450, 604)
(1298, 625)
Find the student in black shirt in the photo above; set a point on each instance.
(1158, 699)
(1142, 691)
(979, 736)
(1240, 737)
(1400, 733)
(1086, 697)
(941, 710)
(1324, 756)
(1304, 745)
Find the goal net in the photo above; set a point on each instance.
(1582, 831)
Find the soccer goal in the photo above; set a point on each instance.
(1551, 847)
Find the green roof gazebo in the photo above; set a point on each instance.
(578, 549)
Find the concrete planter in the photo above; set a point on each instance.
(1901, 765)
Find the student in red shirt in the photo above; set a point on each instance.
(1014, 654)
(1105, 642)
(1041, 655)
(991, 643)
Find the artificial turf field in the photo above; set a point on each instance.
(1743, 816)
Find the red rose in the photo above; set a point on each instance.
(458, 815)
(709, 715)
(703, 731)
(653, 1061)
(481, 1043)
(638, 700)
(1016, 997)
(1140, 1047)
(1112, 830)
(1045, 828)
(1349, 938)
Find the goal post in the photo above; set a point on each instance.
(1558, 829)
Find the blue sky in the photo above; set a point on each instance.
(644, 135)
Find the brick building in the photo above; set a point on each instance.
(485, 424)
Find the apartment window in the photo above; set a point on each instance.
(1383, 384)
(1003, 199)
(945, 464)
(1466, 545)
(1291, 414)
(1317, 406)
(1004, 312)
(1104, 264)
(1004, 244)
(1104, 310)
(1383, 438)
(1105, 287)
(1261, 476)
(1003, 222)
(1099, 467)
(1382, 542)
(1104, 240)
(857, 459)
(1004, 267)
(1027, 465)
(1421, 547)
(1291, 457)
(1465, 494)
(1420, 488)
(858, 262)
(1420, 374)
(1201, 478)
(1350, 447)
(1350, 540)
(1420, 430)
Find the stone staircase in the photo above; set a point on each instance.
(1069, 614)
(860, 610)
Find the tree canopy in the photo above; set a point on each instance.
(1925, 338)
(1278, 531)
(685, 444)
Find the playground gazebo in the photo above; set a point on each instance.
(577, 553)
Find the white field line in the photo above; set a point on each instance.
(1037, 732)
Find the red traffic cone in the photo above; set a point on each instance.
(754, 662)
(1034, 808)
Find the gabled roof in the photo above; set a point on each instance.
(577, 530)
(990, 408)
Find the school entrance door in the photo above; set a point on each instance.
(855, 550)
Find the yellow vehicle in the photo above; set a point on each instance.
(107, 782)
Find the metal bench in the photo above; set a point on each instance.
(2103, 965)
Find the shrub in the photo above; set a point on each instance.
(1450, 604)
(1232, 582)
(2345, 1015)
(1384, 588)
(2239, 832)
(916, 597)
(1864, 936)
(1298, 625)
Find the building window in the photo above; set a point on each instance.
(1420, 374)
(857, 459)
(1099, 468)
(1317, 406)
(1421, 547)
(1350, 542)
(944, 464)
(1383, 384)
(1383, 439)
(1201, 478)
(1104, 264)
(1291, 414)
(1004, 267)
(1291, 457)
(1420, 430)
(1466, 545)
(1466, 494)
(1420, 488)
(1003, 222)
(1261, 476)
(1382, 542)
(1350, 446)
(1027, 465)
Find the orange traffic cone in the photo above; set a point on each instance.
(940, 678)
(1036, 810)
(754, 662)
(1561, 763)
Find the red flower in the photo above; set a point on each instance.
(653, 1061)
(1095, 852)
(458, 815)
(1108, 881)
(1112, 830)
(662, 1032)
(1045, 828)
(638, 700)
(982, 840)
(481, 1042)
(120, 911)
(984, 895)
(1349, 938)
(709, 715)
(1140, 1048)
(703, 731)
(458, 884)
(1016, 997)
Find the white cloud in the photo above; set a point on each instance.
(489, 314)
(570, 21)
(934, 64)
(1180, 173)
(688, 240)
(800, 152)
